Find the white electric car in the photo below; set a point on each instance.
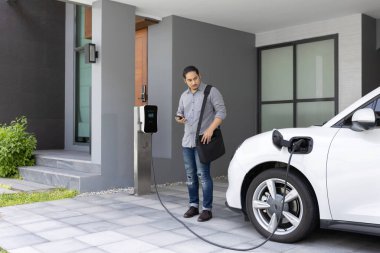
(333, 180)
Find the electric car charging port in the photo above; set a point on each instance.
(305, 147)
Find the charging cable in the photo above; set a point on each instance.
(295, 147)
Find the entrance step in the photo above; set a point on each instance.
(66, 178)
(78, 161)
(61, 168)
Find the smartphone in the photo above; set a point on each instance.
(178, 117)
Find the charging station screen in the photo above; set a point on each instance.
(151, 115)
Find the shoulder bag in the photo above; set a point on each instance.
(215, 148)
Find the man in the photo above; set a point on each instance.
(188, 113)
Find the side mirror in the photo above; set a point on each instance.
(363, 119)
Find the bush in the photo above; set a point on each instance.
(16, 147)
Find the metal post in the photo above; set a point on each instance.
(142, 158)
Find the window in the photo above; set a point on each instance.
(298, 83)
(82, 81)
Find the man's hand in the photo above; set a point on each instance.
(206, 138)
(180, 119)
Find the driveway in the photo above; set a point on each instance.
(120, 222)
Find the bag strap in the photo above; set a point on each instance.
(205, 93)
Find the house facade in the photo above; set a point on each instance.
(40, 72)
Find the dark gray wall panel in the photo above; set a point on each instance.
(378, 34)
(227, 60)
(32, 58)
(370, 56)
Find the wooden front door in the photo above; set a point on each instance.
(141, 67)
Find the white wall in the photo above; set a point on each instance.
(349, 30)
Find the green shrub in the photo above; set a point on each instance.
(16, 147)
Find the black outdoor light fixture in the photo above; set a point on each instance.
(90, 53)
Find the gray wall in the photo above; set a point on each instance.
(226, 59)
(32, 67)
(378, 34)
(113, 82)
(370, 56)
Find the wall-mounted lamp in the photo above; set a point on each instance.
(90, 53)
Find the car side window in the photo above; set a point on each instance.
(377, 112)
(374, 104)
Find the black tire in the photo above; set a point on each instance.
(300, 215)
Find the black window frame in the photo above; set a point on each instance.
(295, 101)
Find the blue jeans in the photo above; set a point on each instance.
(194, 169)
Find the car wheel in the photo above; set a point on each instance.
(264, 200)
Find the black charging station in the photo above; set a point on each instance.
(148, 118)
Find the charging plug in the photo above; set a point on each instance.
(301, 145)
(297, 145)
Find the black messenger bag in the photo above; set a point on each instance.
(215, 148)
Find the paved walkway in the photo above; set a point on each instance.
(120, 222)
(17, 185)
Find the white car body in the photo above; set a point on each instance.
(343, 169)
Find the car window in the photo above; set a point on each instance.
(374, 104)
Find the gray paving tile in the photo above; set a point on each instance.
(12, 231)
(99, 226)
(160, 251)
(191, 246)
(48, 208)
(94, 209)
(14, 211)
(202, 231)
(122, 206)
(81, 219)
(104, 202)
(37, 205)
(131, 220)
(132, 245)
(61, 233)
(43, 226)
(62, 246)
(101, 238)
(27, 249)
(70, 203)
(227, 239)
(138, 230)
(111, 215)
(61, 215)
(4, 224)
(166, 224)
(163, 238)
(21, 240)
(18, 220)
(91, 250)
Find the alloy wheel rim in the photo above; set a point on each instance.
(267, 203)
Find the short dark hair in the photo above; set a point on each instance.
(189, 69)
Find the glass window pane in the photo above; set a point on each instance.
(314, 113)
(83, 83)
(276, 116)
(277, 74)
(315, 69)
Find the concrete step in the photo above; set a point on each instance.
(70, 163)
(58, 177)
